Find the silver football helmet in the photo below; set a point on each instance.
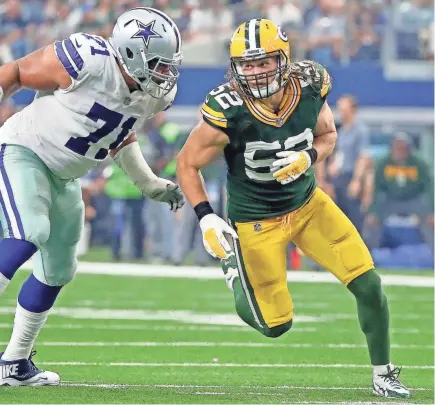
(148, 45)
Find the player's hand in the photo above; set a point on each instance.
(213, 229)
(291, 166)
(166, 191)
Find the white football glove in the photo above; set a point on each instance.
(213, 228)
(291, 166)
(165, 191)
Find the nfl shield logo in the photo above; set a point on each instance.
(257, 227)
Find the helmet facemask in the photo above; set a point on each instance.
(160, 74)
(250, 85)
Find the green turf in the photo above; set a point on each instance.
(171, 328)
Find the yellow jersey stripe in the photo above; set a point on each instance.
(213, 117)
(221, 124)
(215, 114)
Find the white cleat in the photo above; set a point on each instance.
(388, 384)
(23, 372)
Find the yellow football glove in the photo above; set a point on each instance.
(291, 166)
(213, 229)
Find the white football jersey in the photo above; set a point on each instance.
(71, 130)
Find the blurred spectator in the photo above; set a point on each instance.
(247, 10)
(348, 165)
(412, 19)
(366, 25)
(326, 31)
(210, 18)
(166, 141)
(87, 185)
(12, 28)
(127, 212)
(403, 187)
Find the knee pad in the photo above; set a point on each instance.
(277, 331)
(39, 231)
(367, 288)
(56, 263)
(55, 268)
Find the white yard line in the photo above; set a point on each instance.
(192, 386)
(229, 365)
(225, 344)
(210, 273)
(182, 316)
(188, 316)
(201, 328)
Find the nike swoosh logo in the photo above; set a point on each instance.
(77, 44)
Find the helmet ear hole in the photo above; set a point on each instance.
(130, 54)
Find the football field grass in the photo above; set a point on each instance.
(134, 339)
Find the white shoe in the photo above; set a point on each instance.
(24, 372)
(388, 384)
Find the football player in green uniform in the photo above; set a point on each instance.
(273, 123)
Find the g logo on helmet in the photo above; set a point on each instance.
(282, 34)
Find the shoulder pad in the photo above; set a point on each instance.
(82, 55)
(221, 106)
(313, 74)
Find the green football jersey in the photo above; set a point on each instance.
(256, 134)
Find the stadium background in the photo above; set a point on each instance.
(378, 51)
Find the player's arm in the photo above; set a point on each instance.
(40, 70)
(128, 156)
(204, 145)
(325, 133)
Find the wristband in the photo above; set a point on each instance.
(2, 93)
(202, 209)
(312, 153)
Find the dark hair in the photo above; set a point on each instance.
(353, 100)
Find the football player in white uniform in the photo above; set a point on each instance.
(92, 92)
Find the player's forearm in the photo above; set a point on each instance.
(130, 159)
(324, 145)
(9, 80)
(191, 183)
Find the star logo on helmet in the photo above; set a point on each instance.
(146, 32)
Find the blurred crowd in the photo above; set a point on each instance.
(328, 31)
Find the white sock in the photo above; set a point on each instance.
(26, 329)
(382, 369)
(4, 282)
